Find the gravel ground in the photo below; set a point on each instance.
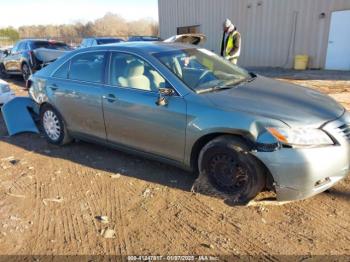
(52, 197)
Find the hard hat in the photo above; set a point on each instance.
(227, 23)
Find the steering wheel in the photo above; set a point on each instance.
(203, 77)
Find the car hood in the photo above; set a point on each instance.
(292, 104)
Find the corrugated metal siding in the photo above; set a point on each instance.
(267, 26)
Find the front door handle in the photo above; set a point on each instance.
(54, 87)
(110, 98)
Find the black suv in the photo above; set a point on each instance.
(93, 41)
(28, 56)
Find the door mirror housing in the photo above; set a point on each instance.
(6, 52)
(163, 93)
(166, 91)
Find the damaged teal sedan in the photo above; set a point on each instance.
(187, 106)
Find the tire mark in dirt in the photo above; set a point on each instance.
(187, 229)
(88, 208)
(93, 198)
(91, 207)
(105, 192)
(327, 232)
(245, 243)
(126, 245)
(40, 214)
(74, 222)
(20, 186)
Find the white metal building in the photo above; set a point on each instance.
(273, 31)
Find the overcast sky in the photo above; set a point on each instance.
(33, 12)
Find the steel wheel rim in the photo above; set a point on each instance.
(52, 125)
(228, 173)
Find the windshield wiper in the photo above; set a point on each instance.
(252, 77)
(213, 88)
(227, 85)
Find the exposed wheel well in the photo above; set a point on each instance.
(2, 66)
(201, 142)
(24, 62)
(42, 105)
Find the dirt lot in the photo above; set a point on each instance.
(50, 198)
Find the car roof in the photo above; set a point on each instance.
(141, 47)
(42, 40)
(38, 40)
(151, 36)
(102, 37)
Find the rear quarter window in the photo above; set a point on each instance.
(62, 71)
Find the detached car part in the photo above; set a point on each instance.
(18, 115)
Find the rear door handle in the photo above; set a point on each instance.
(110, 98)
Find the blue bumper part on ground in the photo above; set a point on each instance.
(18, 115)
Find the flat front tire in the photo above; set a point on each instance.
(231, 169)
(53, 126)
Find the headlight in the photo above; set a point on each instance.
(301, 136)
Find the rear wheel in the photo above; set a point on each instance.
(53, 126)
(26, 72)
(231, 169)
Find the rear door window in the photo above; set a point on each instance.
(88, 67)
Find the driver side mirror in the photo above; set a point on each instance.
(6, 52)
(166, 91)
(163, 93)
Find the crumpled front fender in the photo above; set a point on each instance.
(17, 115)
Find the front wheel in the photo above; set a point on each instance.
(53, 126)
(3, 72)
(231, 169)
(26, 72)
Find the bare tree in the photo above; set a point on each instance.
(108, 25)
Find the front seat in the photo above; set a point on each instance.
(135, 77)
(118, 68)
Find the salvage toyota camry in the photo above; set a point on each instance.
(189, 107)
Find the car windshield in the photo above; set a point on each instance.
(50, 45)
(107, 41)
(202, 70)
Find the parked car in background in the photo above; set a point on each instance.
(189, 107)
(5, 50)
(6, 94)
(94, 41)
(30, 55)
(137, 38)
